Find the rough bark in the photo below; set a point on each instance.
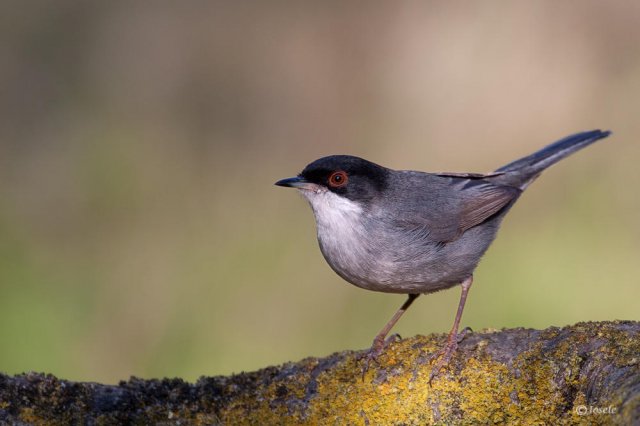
(588, 373)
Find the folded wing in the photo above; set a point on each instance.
(452, 203)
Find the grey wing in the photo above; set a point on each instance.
(442, 207)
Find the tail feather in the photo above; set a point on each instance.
(521, 172)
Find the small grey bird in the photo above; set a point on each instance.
(410, 232)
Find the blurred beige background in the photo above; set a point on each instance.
(140, 231)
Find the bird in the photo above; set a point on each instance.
(412, 232)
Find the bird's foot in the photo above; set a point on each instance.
(371, 355)
(378, 346)
(443, 356)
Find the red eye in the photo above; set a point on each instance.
(338, 179)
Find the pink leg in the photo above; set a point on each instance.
(378, 341)
(447, 352)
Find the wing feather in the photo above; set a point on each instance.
(443, 206)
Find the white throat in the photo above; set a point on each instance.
(333, 213)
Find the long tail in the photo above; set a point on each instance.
(521, 172)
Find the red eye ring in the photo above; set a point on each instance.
(338, 179)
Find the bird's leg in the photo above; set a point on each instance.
(378, 341)
(452, 342)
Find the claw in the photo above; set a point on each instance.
(462, 334)
(444, 356)
(368, 358)
(395, 337)
(446, 353)
(372, 354)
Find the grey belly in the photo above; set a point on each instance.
(405, 265)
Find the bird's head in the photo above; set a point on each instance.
(340, 178)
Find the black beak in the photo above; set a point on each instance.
(295, 182)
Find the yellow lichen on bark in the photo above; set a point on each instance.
(588, 373)
(542, 383)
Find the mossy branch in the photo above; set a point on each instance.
(587, 373)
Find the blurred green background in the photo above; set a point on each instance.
(140, 231)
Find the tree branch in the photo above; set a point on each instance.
(588, 372)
